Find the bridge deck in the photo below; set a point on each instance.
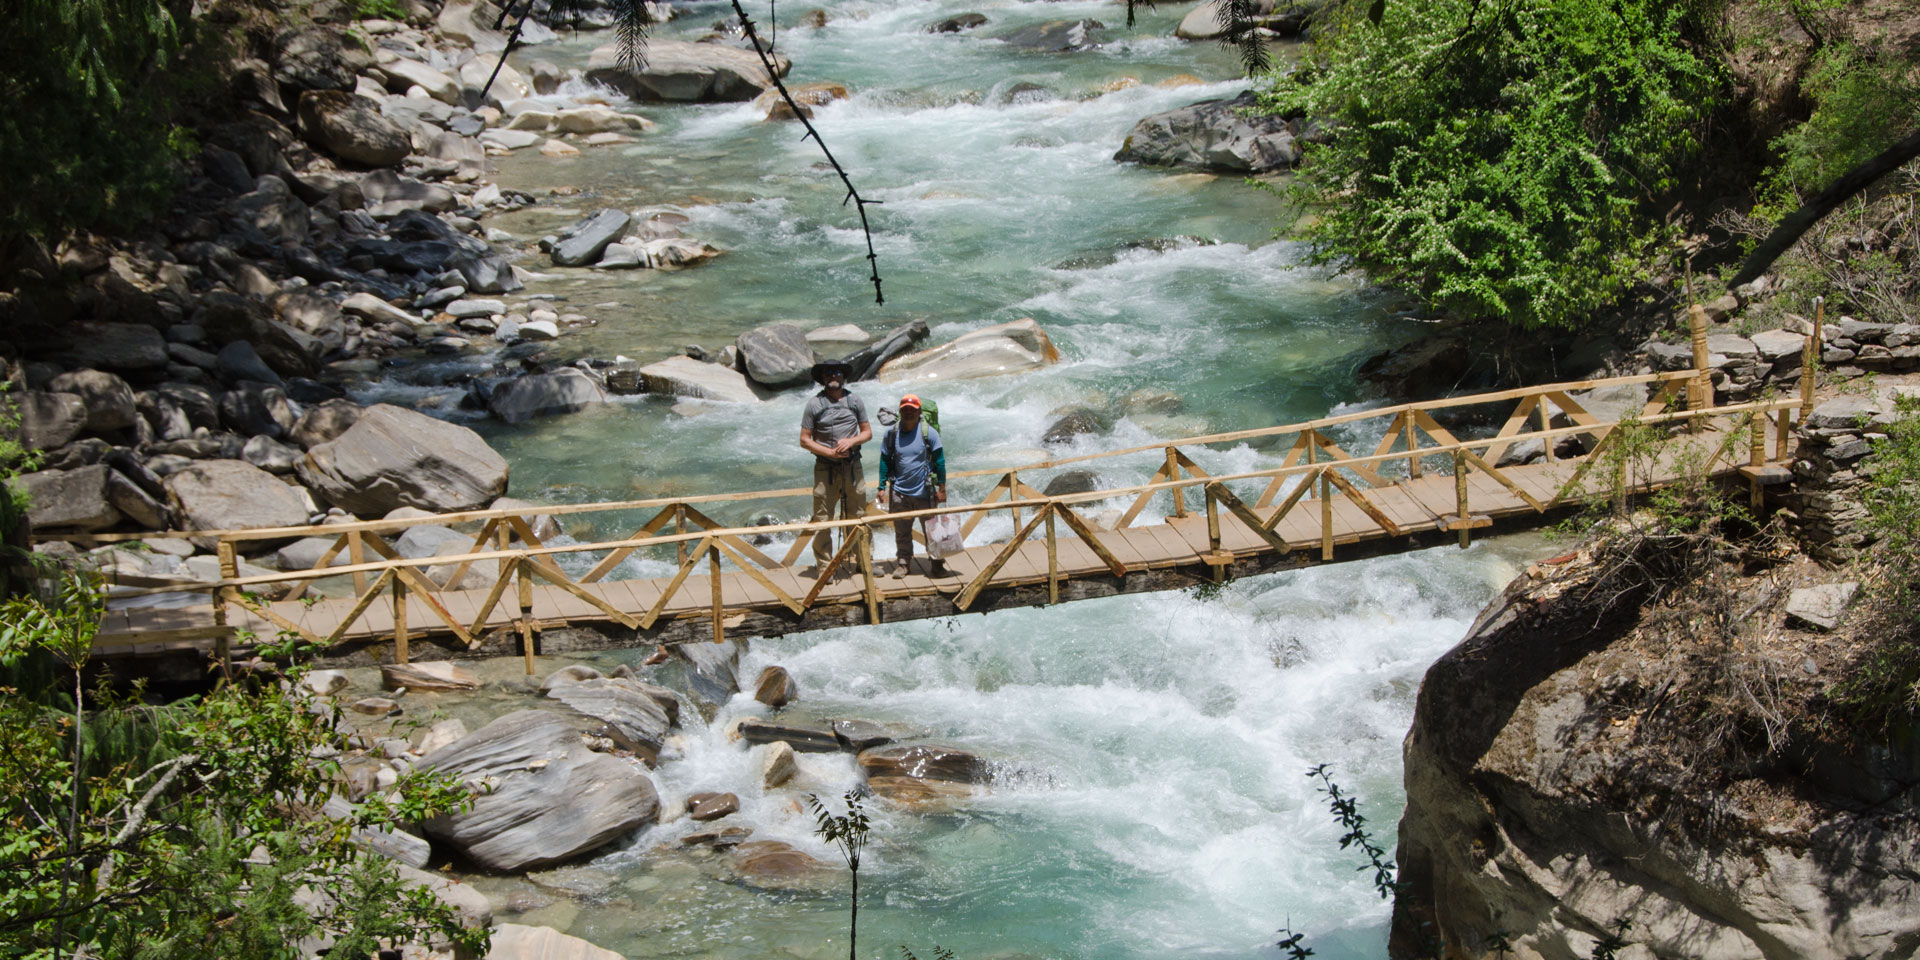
(1419, 486)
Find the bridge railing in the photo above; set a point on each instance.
(1412, 443)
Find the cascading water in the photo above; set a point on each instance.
(1152, 750)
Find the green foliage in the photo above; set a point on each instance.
(939, 953)
(1862, 103)
(1610, 944)
(140, 830)
(382, 9)
(1346, 809)
(86, 134)
(1881, 688)
(848, 833)
(1500, 160)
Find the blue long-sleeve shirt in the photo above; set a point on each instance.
(911, 460)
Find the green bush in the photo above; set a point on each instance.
(1881, 687)
(86, 114)
(1503, 160)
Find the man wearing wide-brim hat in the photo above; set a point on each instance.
(832, 428)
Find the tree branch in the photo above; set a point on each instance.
(139, 812)
(1793, 225)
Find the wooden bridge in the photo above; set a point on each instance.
(1420, 485)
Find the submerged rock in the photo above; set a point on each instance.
(1014, 347)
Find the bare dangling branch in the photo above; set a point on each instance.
(800, 113)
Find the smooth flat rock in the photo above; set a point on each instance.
(777, 355)
(639, 713)
(1820, 607)
(686, 72)
(1056, 36)
(431, 675)
(583, 242)
(350, 127)
(69, 499)
(393, 457)
(544, 394)
(233, 495)
(1004, 348)
(514, 941)
(683, 376)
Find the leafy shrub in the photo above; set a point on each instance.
(1881, 687)
(1503, 160)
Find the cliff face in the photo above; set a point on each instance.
(1601, 749)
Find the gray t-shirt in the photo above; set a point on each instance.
(834, 420)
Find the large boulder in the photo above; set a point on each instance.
(254, 409)
(393, 457)
(402, 74)
(317, 56)
(911, 773)
(389, 195)
(777, 355)
(50, 420)
(551, 798)
(108, 399)
(683, 376)
(350, 127)
(1213, 135)
(544, 395)
(120, 346)
(686, 72)
(323, 422)
(867, 361)
(233, 495)
(515, 941)
(584, 242)
(69, 499)
(1013, 347)
(1056, 36)
(1287, 18)
(271, 208)
(638, 714)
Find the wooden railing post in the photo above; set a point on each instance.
(1326, 513)
(399, 620)
(1173, 473)
(523, 604)
(1464, 514)
(223, 642)
(1757, 457)
(1053, 558)
(357, 554)
(872, 589)
(1213, 534)
(680, 526)
(1809, 359)
(1413, 447)
(1546, 423)
(1700, 388)
(713, 572)
(1013, 493)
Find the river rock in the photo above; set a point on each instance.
(514, 941)
(1075, 421)
(704, 807)
(958, 24)
(909, 774)
(867, 361)
(323, 422)
(543, 525)
(1286, 19)
(778, 765)
(464, 309)
(637, 713)
(252, 408)
(107, 398)
(552, 800)
(136, 502)
(232, 495)
(686, 72)
(584, 242)
(1072, 481)
(432, 675)
(775, 687)
(544, 394)
(1212, 135)
(674, 253)
(269, 454)
(571, 673)
(598, 119)
(683, 376)
(68, 499)
(350, 127)
(537, 330)
(314, 315)
(390, 195)
(1056, 36)
(1013, 347)
(807, 95)
(761, 862)
(50, 420)
(777, 355)
(803, 739)
(272, 209)
(402, 74)
(317, 56)
(239, 361)
(393, 457)
(836, 341)
(119, 346)
(305, 554)
(471, 906)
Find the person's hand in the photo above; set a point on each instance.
(881, 499)
(940, 494)
(840, 447)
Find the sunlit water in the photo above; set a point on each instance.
(1153, 749)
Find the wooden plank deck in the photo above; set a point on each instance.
(1420, 505)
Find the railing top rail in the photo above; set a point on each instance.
(1092, 496)
(566, 509)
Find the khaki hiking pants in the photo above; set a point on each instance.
(839, 484)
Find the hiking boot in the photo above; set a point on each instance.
(939, 569)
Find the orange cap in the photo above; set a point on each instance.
(910, 401)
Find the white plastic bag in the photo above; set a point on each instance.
(943, 536)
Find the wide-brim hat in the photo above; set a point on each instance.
(825, 368)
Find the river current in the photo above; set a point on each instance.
(1155, 801)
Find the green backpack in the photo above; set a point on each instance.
(929, 417)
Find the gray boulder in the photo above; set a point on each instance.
(638, 714)
(683, 376)
(119, 346)
(257, 409)
(1820, 607)
(389, 195)
(108, 399)
(233, 495)
(425, 540)
(544, 395)
(272, 209)
(136, 502)
(314, 315)
(318, 57)
(238, 361)
(68, 499)
(1056, 36)
(323, 422)
(350, 127)
(270, 455)
(552, 799)
(50, 420)
(584, 242)
(958, 24)
(777, 355)
(393, 457)
(1212, 135)
(686, 72)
